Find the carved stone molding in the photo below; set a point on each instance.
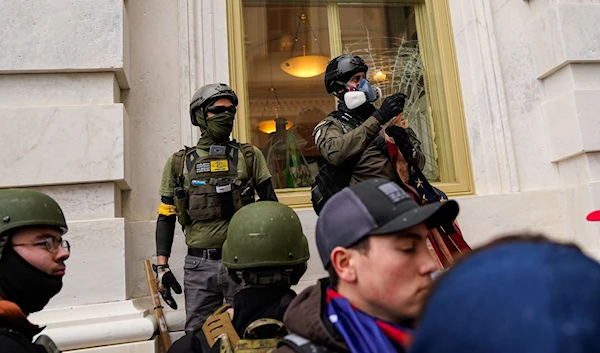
(489, 132)
(203, 53)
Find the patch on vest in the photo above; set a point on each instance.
(203, 167)
(393, 192)
(219, 166)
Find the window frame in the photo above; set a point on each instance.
(439, 57)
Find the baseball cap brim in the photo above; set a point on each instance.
(433, 215)
(594, 216)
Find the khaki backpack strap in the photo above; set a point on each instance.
(219, 324)
(279, 330)
(225, 346)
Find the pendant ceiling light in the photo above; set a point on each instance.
(380, 76)
(305, 66)
(270, 126)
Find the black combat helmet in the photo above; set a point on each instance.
(341, 69)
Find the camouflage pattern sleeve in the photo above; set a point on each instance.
(418, 157)
(260, 169)
(167, 183)
(336, 146)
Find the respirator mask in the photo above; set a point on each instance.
(357, 96)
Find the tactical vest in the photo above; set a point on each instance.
(215, 191)
(261, 336)
(331, 178)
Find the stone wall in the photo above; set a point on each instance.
(534, 65)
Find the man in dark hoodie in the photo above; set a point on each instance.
(519, 295)
(32, 264)
(372, 240)
(266, 252)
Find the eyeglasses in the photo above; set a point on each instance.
(218, 109)
(51, 244)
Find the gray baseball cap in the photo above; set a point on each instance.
(374, 207)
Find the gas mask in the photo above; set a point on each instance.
(357, 96)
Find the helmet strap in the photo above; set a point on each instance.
(265, 278)
(345, 87)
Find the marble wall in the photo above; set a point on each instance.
(65, 131)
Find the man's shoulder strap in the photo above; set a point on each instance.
(346, 119)
(248, 152)
(300, 344)
(178, 163)
(336, 114)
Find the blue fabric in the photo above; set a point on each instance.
(360, 331)
(518, 297)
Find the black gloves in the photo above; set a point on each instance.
(166, 281)
(391, 107)
(402, 141)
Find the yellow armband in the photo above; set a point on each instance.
(166, 210)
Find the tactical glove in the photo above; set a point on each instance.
(165, 279)
(391, 107)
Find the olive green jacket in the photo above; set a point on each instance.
(338, 143)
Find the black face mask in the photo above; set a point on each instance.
(25, 285)
(362, 113)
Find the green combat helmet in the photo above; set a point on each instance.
(20, 208)
(263, 238)
(265, 247)
(207, 94)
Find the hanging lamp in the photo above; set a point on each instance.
(380, 76)
(305, 66)
(270, 126)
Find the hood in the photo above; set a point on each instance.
(306, 317)
(517, 297)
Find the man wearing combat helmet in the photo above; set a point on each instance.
(202, 187)
(277, 260)
(32, 265)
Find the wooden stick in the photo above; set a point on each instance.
(158, 312)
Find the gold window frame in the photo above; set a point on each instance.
(441, 78)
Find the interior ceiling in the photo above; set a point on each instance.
(270, 42)
(271, 29)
